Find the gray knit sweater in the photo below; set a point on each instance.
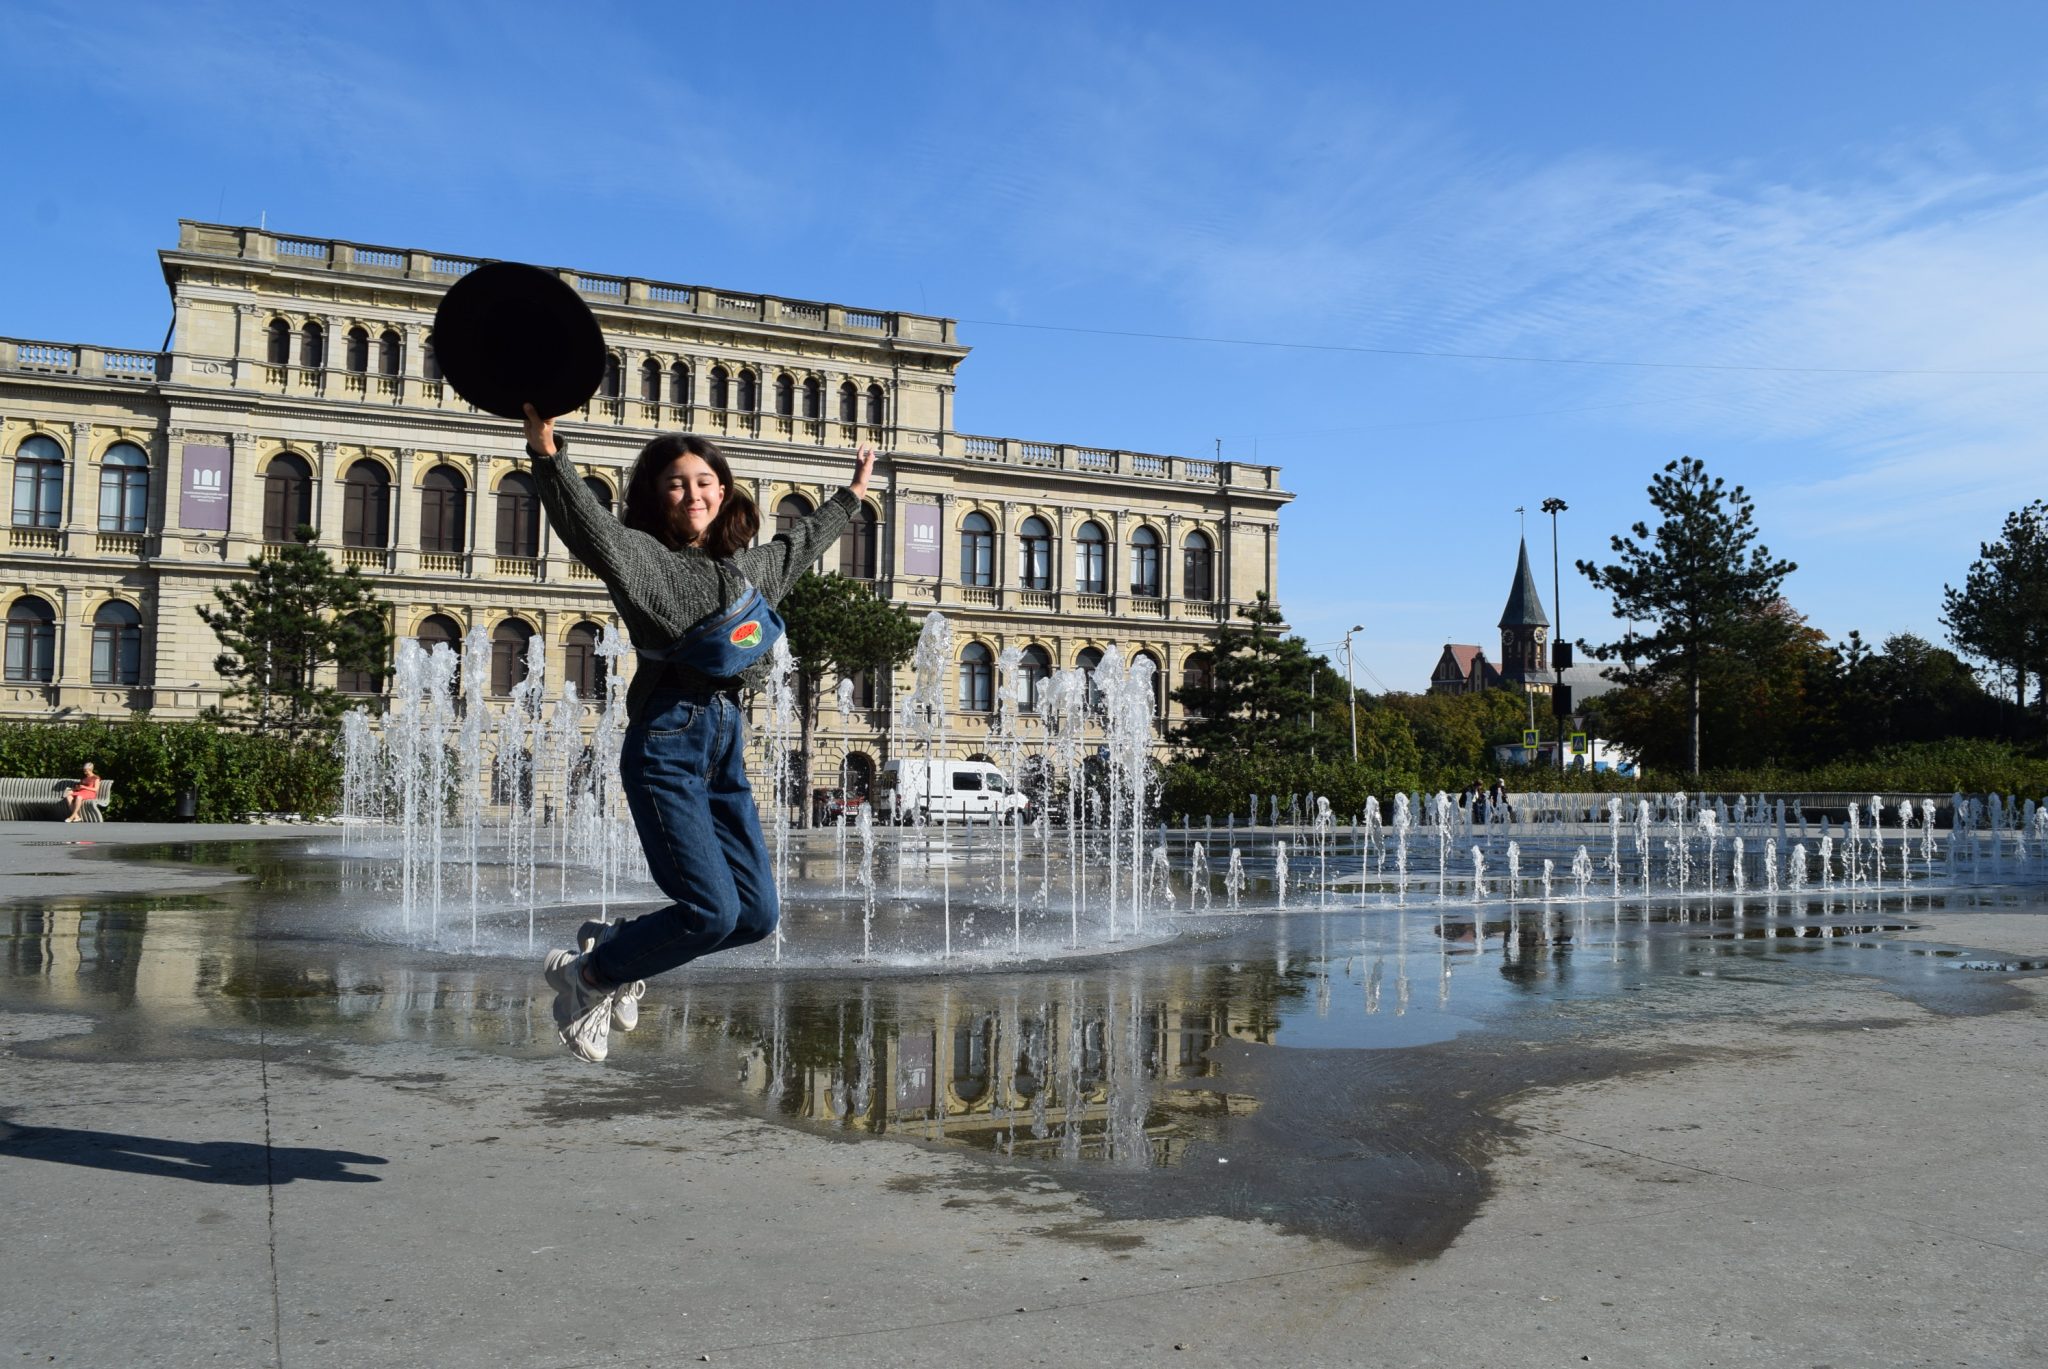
(662, 592)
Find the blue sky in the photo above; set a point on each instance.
(1814, 232)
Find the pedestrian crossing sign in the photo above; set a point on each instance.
(1578, 743)
(1531, 738)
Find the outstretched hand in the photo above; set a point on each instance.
(863, 467)
(540, 432)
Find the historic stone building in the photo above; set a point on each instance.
(298, 384)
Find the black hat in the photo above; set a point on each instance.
(508, 334)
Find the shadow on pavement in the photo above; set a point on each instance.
(243, 1163)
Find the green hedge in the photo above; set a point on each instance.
(1201, 787)
(234, 773)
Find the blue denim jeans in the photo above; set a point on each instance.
(684, 772)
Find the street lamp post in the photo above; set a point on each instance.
(1351, 686)
(1554, 507)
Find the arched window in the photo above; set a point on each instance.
(814, 398)
(790, 511)
(977, 550)
(581, 665)
(1034, 670)
(720, 385)
(1145, 563)
(38, 483)
(444, 497)
(518, 516)
(438, 629)
(366, 506)
(859, 777)
(1198, 567)
(1088, 658)
(116, 644)
(508, 656)
(1034, 554)
(287, 497)
(1158, 681)
(278, 343)
(860, 548)
(31, 641)
(1197, 672)
(650, 381)
(750, 392)
(785, 396)
(614, 376)
(312, 346)
(430, 365)
(682, 388)
(350, 681)
(124, 489)
(600, 490)
(1091, 559)
(977, 678)
(390, 352)
(849, 403)
(877, 406)
(357, 357)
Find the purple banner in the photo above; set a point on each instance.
(203, 502)
(921, 539)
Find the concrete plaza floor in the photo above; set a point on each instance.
(1835, 1177)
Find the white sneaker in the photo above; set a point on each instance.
(583, 1015)
(625, 999)
(589, 1037)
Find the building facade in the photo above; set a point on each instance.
(298, 385)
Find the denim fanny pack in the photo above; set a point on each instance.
(729, 642)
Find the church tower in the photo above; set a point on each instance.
(1525, 631)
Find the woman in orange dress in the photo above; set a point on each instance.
(80, 794)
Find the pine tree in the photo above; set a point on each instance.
(1259, 696)
(2000, 615)
(283, 627)
(1699, 582)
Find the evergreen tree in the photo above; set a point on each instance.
(1700, 582)
(840, 627)
(283, 627)
(2000, 615)
(1258, 697)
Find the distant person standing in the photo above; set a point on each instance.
(87, 790)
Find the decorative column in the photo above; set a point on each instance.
(245, 500)
(80, 495)
(327, 500)
(477, 555)
(398, 556)
(411, 362)
(1168, 555)
(249, 347)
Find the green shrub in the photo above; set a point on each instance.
(149, 763)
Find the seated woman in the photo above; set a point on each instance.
(80, 794)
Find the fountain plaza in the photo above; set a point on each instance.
(1684, 1080)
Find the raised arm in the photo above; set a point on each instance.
(777, 566)
(586, 527)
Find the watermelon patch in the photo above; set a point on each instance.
(747, 635)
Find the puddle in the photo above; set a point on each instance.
(1342, 1073)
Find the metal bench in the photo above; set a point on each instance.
(29, 799)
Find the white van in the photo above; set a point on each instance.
(945, 790)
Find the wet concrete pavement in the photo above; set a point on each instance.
(241, 1129)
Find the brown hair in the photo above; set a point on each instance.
(731, 529)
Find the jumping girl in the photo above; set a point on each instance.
(698, 599)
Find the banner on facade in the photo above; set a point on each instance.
(921, 539)
(203, 502)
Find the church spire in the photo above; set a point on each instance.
(1525, 605)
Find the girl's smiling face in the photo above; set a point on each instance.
(692, 495)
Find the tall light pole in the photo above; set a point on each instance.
(1351, 686)
(1554, 507)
